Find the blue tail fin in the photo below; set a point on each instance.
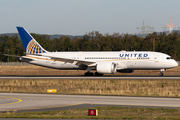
(31, 46)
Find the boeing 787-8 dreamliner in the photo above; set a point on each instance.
(103, 62)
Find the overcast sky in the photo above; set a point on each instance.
(77, 17)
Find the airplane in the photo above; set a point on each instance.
(106, 62)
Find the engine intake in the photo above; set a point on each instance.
(106, 68)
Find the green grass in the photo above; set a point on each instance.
(106, 112)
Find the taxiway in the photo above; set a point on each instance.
(46, 102)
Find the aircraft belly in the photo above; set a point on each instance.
(132, 65)
(145, 65)
(140, 64)
(156, 65)
(136, 64)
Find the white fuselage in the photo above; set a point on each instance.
(124, 59)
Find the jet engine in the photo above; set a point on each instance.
(108, 67)
(125, 71)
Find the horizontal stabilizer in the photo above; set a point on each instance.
(19, 57)
(13, 56)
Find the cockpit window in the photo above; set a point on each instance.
(168, 58)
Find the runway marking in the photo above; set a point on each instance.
(19, 100)
(52, 106)
(115, 99)
(141, 105)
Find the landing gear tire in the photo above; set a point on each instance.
(88, 74)
(98, 74)
(161, 74)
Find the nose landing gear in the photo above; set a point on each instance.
(161, 72)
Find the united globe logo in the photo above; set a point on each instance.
(34, 48)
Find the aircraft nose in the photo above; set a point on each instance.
(172, 64)
(176, 64)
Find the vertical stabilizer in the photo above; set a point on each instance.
(31, 46)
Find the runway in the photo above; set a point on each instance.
(46, 102)
(87, 77)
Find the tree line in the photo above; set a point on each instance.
(95, 41)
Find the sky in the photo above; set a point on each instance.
(78, 17)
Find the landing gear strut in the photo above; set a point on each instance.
(88, 73)
(161, 72)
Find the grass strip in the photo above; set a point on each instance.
(105, 112)
(163, 88)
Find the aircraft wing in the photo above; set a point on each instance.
(78, 61)
(72, 60)
(64, 59)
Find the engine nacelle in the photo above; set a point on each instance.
(103, 68)
(125, 71)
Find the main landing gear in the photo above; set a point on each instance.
(92, 74)
(98, 74)
(161, 72)
(88, 74)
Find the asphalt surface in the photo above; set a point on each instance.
(87, 77)
(48, 102)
